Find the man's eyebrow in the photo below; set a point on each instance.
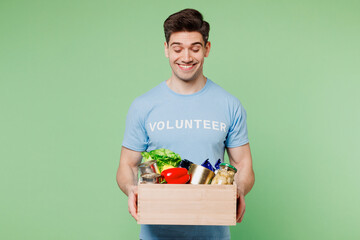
(195, 43)
(175, 43)
(178, 43)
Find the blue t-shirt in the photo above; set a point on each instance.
(198, 126)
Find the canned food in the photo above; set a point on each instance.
(200, 175)
(150, 178)
(148, 167)
(225, 175)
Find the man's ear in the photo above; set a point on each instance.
(207, 49)
(166, 50)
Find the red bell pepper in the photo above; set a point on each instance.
(176, 175)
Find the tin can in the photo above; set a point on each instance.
(148, 167)
(150, 178)
(200, 175)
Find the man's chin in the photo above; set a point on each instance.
(187, 79)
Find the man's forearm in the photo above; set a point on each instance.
(244, 179)
(240, 157)
(127, 173)
(126, 177)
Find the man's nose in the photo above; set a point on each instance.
(187, 57)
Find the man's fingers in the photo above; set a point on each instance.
(132, 203)
(240, 209)
(242, 216)
(132, 210)
(133, 213)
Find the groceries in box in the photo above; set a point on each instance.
(166, 167)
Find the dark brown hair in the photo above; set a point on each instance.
(189, 20)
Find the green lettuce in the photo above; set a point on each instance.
(146, 156)
(164, 158)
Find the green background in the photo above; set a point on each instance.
(69, 71)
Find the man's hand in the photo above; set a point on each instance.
(132, 201)
(240, 157)
(240, 211)
(126, 177)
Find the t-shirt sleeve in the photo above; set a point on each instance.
(238, 134)
(135, 136)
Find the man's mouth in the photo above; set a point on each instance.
(186, 67)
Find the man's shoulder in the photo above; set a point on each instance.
(219, 92)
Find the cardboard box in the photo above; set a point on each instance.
(187, 204)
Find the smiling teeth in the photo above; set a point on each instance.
(186, 66)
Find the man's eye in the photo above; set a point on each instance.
(195, 50)
(177, 50)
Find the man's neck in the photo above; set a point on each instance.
(186, 87)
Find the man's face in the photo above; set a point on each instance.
(186, 52)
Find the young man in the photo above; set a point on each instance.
(190, 115)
